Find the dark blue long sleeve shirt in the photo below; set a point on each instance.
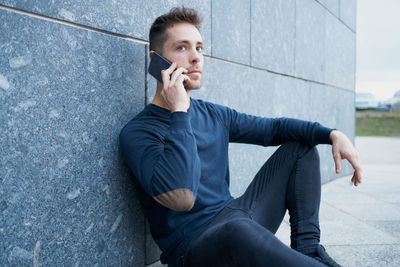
(189, 150)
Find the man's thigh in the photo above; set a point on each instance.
(241, 242)
(227, 243)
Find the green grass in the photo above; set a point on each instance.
(377, 123)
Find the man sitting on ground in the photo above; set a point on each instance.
(177, 148)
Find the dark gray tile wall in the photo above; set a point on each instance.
(63, 184)
(231, 30)
(130, 18)
(310, 29)
(340, 56)
(70, 80)
(273, 35)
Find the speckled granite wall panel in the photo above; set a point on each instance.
(239, 87)
(291, 98)
(153, 252)
(340, 54)
(331, 5)
(231, 30)
(132, 18)
(333, 107)
(310, 41)
(65, 194)
(348, 13)
(273, 35)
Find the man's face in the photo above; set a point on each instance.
(185, 47)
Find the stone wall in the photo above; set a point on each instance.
(72, 73)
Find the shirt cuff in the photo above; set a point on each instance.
(180, 120)
(322, 135)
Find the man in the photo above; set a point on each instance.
(177, 148)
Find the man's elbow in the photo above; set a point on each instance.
(185, 205)
(178, 200)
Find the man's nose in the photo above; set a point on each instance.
(194, 56)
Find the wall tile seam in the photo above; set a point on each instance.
(295, 37)
(127, 37)
(141, 41)
(278, 73)
(75, 25)
(71, 24)
(251, 13)
(211, 27)
(347, 26)
(337, 17)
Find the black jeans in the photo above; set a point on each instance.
(242, 234)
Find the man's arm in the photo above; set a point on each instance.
(249, 129)
(166, 164)
(342, 148)
(245, 128)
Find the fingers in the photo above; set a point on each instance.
(178, 76)
(173, 91)
(355, 162)
(166, 74)
(356, 180)
(338, 160)
(172, 75)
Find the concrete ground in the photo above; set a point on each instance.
(360, 226)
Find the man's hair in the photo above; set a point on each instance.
(158, 31)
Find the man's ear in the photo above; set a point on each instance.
(151, 53)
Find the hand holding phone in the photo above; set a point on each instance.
(157, 64)
(172, 93)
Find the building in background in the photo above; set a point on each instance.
(72, 74)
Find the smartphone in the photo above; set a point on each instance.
(157, 64)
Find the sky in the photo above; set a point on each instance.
(378, 47)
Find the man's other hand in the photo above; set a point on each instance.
(342, 148)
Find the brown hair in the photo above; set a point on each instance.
(158, 31)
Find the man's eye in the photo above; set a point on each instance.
(181, 48)
(200, 49)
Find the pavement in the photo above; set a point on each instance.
(360, 226)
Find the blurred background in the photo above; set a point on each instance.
(378, 68)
